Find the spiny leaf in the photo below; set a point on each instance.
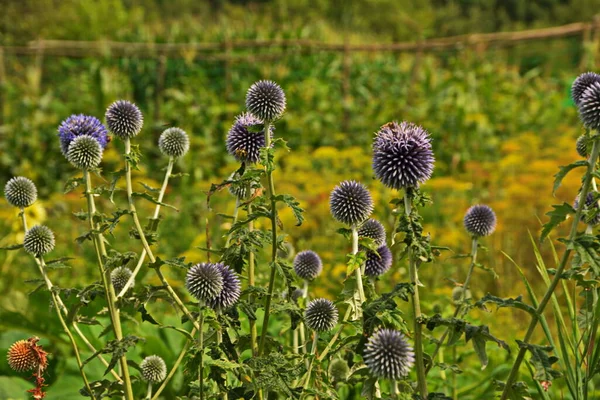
(564, 170)
(292, 203)
(558, 215)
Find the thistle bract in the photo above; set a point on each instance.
(230, 293)
(84, 152)
(81, 125)
(20, 192)
(480, 220)
(373, 229)
(402, 155)
(204, 281)
(321, 315)
(21, 356)
(266, 100)
(174, 142)
(589, 106)
(388, 354)
(580, 84)
(243, 141)
(379, 262)
(350, 203)
(583, 146)
(591, 206)
(124, 119)
(119, 277)
(39, 240)
(153, 369)
(338, 370)
(308, 265)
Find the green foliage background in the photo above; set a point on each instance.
(501, 120)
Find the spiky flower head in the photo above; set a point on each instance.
(388, 354)
(402, 155)
(204, 281)
(231, 291)
(321, 315)
(20, 192)
(350, 202)
(379, 262)
(308, 265)
(84, 152)
(246, 137)
(457, 294)
(119, 277)
(174, 142)
(81, 125)
(22, 357)
(591, 203)
(266, 100)
(124, 119)
(480, 220)
(581, 83)
(338, 370)
(153, 369)
(39, 240)
(583, 146)
(589, 106)
(239, 189)
(373, 229)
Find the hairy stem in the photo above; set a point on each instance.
(251, 282)
(113, 310)
(271, 189)
(358, 271)
(313, 351)
(149, 393)
(416, 308)
(558, 275)
(395, 392)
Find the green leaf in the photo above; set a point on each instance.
(510, 302)
(151, 199)
(564, 170)
(72, 184)
(479, 335)
(558, 215)
(12, 247)
(292, 203)
(541, 361)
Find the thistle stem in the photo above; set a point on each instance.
(358, 271)
(558, 275)
(416, 308)
(395, 391)
(201, 344)
(251, 282)
(224, 395)
(459, 309)
(149, 394)
(98, 240)
(271, 188)
(312, 353)
(336, 334)
(235, 218)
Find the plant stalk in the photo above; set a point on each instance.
(358, 271)
(149, 393)
(251, 282)
(313, 351)
(201, 344)
(557, 276)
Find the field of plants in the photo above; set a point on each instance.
(502, 121)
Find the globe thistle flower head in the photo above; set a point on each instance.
(402, 155)
(124, 119)
(266, 100)
(350, 203)
(373, 229)
(379, 262)
(231, 291)
(480, 220)
(119, 277)
(338, 370)
(204, 281)
(591, 203)
(153, 369)
(388, 354)
(321, 315)
(242, 142)
(174, 142)
(22, 357)
(81, 125)
(457, 295)
(581, 83)
(39, 240)
(583, 146)
(20, 192)
(589, 106)
(84, 152)
(307, 265)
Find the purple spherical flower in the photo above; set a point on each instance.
(402, 155)
(480, 220)
(266, 100)
(308, 265)
(589, 106)
(321, 315)
(350, 202)
(80, 125)
(373, 229)
(580, 84)
(243, 144)
(124, 119)
(378, 262)
(204, 281)
(231, 291)
(388, 354)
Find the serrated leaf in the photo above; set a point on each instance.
(564, 170)
(294, 205)
(557, 216)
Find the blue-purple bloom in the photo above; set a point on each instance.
(379, 262)
(388, 354)
(79, 125)
(245, 145)
(480, 220)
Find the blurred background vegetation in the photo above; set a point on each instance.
(501, 119)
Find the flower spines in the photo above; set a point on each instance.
(308, 265)
(581, 83)
(379, 262)
(231, 291)
(591, 203)
(583, 146)
(119, 277)
(242, 143)
(204, 281)
(39, 240)
(388, 354)
(266, 100)
(480, 220)
(373, 229)
(589, 106)
(84, 152)
(174, 142)
(153, 369)
(21, 356)
(81, 125)
(124, 119)
(402, 155)
(350, 203)
(20, 192)
(321, 315)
